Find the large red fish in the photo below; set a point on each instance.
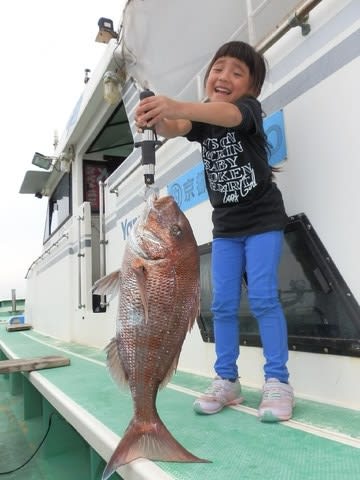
(158, 287)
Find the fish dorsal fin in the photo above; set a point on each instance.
(140, 272)
(108, 285)
(115, 364)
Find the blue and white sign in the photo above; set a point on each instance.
(189, 189)
(275, 132)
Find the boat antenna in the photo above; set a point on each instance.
(56, 139)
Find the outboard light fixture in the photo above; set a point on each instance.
(42, 161)
(106, 30)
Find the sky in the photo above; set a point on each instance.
(45, 47)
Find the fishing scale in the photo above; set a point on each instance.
(148, 146)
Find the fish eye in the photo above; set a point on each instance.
(175, 230)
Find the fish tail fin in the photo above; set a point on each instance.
(152, 441)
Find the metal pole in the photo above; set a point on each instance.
(13, 300)
(80, 304)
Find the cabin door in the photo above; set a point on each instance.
(95, 173)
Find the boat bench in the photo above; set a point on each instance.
(90, 413)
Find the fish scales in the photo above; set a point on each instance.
(158, 289)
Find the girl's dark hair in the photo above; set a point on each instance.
(247, 54)
(257, 69)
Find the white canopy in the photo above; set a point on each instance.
(167, 42)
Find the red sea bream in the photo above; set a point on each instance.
(158, 288)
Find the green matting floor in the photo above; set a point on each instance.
(238, 445)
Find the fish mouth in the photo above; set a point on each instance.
(139, 231)
(146, 236)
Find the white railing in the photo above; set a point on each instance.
(103, 242)
(47, 252)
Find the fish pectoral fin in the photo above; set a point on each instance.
(140, 272)
(108, 285)
(115, 365)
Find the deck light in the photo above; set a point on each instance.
(65, 158)
(106, 30)
(42, 161)
(112, 87)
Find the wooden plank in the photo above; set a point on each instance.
(18, 327)
(29, 364)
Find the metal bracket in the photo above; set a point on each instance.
(302, 22)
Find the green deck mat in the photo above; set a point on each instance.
(238, 445)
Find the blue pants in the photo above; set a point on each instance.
(258, 255)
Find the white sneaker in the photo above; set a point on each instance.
(218, 395)
(277, 401)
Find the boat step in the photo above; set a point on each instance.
(29, 364)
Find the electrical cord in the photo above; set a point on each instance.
(35, 452)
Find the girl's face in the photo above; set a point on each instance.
(228, 80)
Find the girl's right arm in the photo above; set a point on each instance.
(173, 118)
(172, 128)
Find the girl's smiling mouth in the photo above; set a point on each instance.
(222, 90)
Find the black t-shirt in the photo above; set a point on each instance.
(237, 174)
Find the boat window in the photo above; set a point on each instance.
(59, 206)
(321, 312)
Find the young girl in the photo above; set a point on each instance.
(248, 219)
